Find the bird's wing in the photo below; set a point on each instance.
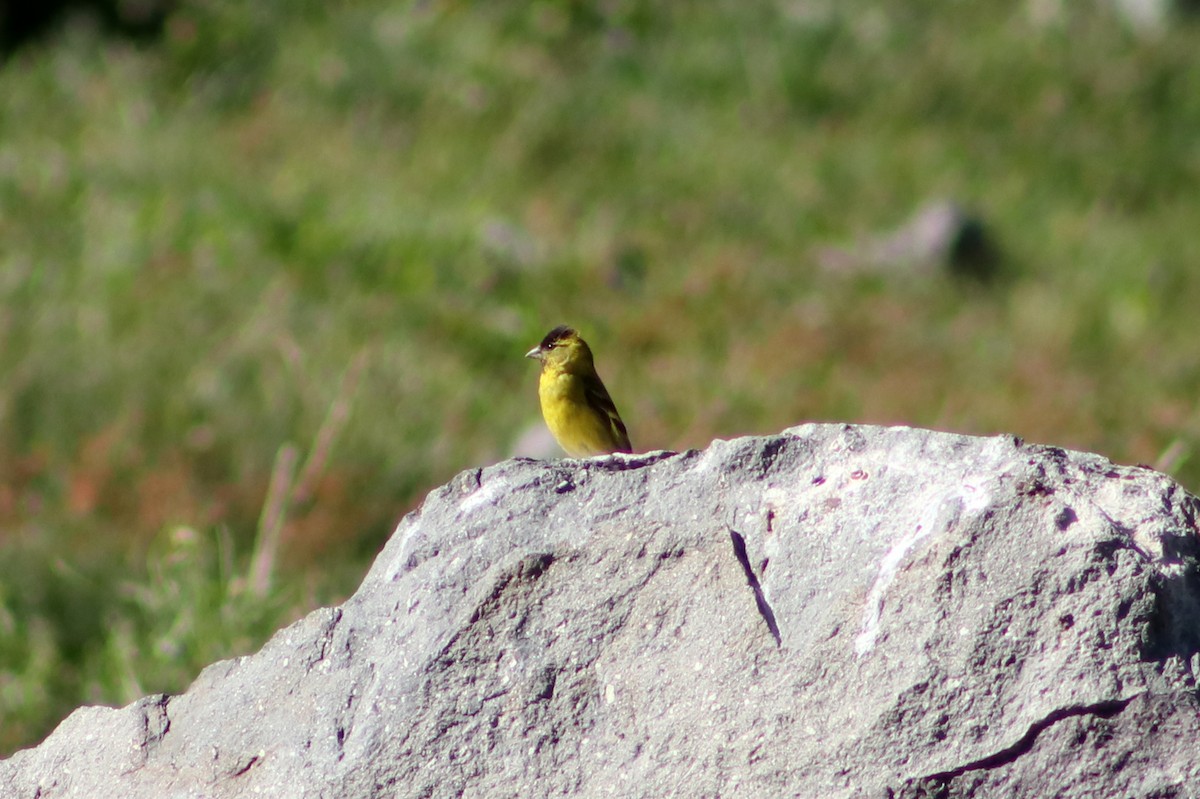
(599, 400)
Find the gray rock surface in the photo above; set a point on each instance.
(836, 611)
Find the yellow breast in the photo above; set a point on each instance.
(581, 430)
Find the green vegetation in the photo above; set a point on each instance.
(323, 235)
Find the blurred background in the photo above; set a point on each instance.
(268, 270)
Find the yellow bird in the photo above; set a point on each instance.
(575, 404)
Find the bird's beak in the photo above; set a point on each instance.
(535, 353)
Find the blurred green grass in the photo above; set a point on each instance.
(283, 209)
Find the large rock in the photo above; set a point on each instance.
(836, 611)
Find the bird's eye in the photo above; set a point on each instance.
(550, 346)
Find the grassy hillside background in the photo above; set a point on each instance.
(314, 239)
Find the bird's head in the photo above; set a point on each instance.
(562, 350)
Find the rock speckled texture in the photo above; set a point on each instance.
(836, 611)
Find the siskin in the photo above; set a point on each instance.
(575, 404)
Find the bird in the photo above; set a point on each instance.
(575, 404)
